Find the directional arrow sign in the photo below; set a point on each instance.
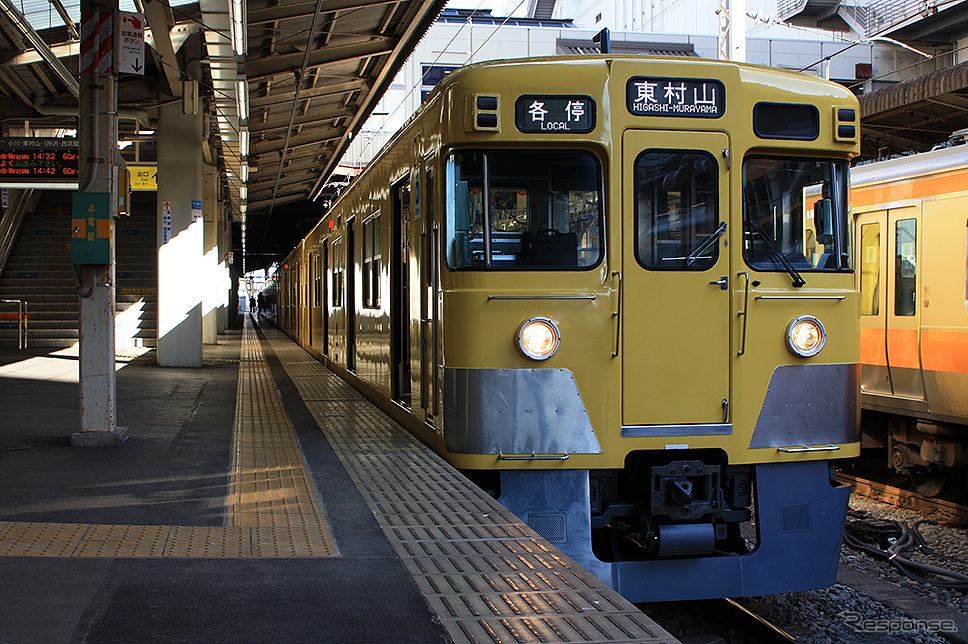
(131, 43)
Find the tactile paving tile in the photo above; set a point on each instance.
(487, 576)
(124, 541)
(41, 539)
(271, 489)
(274, 510)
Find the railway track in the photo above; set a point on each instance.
(716, 621)
(947, 511)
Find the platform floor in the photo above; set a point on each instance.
(260, 498)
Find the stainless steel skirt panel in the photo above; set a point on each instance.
(515, 411)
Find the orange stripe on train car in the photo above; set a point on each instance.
(873, 347)
(941, 350)
(904, 190)
(945, 350)
(902, 348)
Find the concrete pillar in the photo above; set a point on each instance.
(181, 264)
(97, 198)
(213, 262)
(224, 250)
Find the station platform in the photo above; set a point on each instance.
(260, 498)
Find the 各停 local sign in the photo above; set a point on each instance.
(554, 114)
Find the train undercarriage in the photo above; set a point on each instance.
(932, 454)
(688, 526)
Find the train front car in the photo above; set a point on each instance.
(649, 321)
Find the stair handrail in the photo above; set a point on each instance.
(12, 221)
(22, 317)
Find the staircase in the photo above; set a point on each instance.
(39, 271)
(136, 257)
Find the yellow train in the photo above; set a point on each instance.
(618, 292)
(910, 218)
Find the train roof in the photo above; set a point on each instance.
(598, 58)
(914, 165)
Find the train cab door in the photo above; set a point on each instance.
(871, 235)
(903, 304)
(675, 317)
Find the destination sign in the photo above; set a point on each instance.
(33, 160)
(682, 97)
(554, 114)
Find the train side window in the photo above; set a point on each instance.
(337, 273)
(676, 210)
(543, 210)
(372, 260)
(906, 268)
(870, 269)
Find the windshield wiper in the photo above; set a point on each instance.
(694, 255)
(775, 253)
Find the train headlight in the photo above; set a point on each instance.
(539, 338)
(806, 336)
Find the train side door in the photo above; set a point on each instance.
(350, 308)
(324, 296)
(400, 293)
(872, 237)
(311, 284)
(676, 300)
(428, 303)
(903, 304)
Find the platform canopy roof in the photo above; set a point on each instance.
(296, 78)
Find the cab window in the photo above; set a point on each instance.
(795, 215)
(523, 210)
(676, 210)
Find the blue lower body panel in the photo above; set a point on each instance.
(800, 517)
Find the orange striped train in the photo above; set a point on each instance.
(911, 217)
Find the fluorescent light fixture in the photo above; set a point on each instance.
(243, 142)
(238, 28)
(243, 192)
(242, 98)
(245, 172)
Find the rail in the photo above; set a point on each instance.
(902, 498)
(21, 318)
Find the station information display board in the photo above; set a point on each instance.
(36, 162)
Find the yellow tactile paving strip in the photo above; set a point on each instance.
(272, 507)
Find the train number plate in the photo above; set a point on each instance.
(682, 97)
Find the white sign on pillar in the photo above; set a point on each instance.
(196, 210)
(131, 43)
(165, 222)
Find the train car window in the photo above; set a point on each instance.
(372, 260)
(543, 210)
(870, 269)
(795, 215)
(338, 273)
(906, 268)
(676, 210)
